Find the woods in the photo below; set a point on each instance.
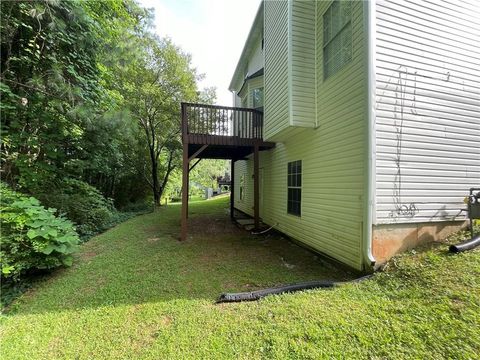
(90, 112)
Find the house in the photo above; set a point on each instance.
(369, 139)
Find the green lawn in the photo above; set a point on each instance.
(135, 292)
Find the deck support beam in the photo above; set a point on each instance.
(196, 153)
(256, 188)
(195, 164)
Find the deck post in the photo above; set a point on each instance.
(232, 189)
(256, 187)
(185, 173)
(183, 235)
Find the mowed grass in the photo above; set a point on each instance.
(136, 292)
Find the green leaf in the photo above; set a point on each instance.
(31, 234)
(48, 249)
(7, 269)
(67, 260)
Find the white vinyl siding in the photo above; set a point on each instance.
(427, 109)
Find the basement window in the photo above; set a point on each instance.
(337, 37)
(294, 186)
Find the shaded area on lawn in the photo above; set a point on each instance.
(142, 261)
(137, 293)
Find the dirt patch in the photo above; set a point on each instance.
(211, 225)
(166, 321)
(87, 255)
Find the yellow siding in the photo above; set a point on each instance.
(332, 160)
(244, 168)
(302, 63)
(276, 67)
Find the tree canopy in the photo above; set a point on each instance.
(91, 103)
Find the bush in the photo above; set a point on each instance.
(83, 204)
(33, 238)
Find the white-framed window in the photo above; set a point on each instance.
(294, 188)
(337, 37)
(257, 96)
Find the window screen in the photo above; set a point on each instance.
(337, 37)
(294, 184)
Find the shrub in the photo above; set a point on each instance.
(33, 237)
(83, 204)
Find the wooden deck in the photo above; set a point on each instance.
(230, 132)
(220, 132)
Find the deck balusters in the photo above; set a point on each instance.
(222, 121)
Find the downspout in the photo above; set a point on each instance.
(369, 188)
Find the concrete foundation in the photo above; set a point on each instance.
(391, 239)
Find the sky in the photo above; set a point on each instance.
(212, 31)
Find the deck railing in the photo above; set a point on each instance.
(202, 119)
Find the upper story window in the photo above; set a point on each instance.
(337, 37)
(257, 96)
(294, 188)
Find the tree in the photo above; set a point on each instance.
(156, 85)
(49, 84)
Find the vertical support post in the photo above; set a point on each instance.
(183, 235)
(232, 189)
(256, 188)
(186, 164)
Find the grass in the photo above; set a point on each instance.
(135, 292)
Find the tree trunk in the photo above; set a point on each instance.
(155, 185)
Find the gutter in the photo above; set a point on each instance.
(369, 188)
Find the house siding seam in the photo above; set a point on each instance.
(427, 109)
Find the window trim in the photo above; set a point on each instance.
(298, 187)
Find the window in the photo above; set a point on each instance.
(294, 185)
(257, 95)
(337, 37)
(242, 187)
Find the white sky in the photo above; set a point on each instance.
(212, 31)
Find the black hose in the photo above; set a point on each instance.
(256, 295)
(466, 245)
